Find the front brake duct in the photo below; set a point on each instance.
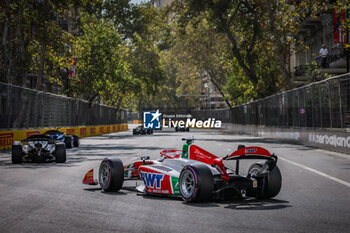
(89, 178)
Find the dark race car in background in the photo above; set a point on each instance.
(140, 130)
(194, 174)
(38, 148)
(182, 129)
(69, 140)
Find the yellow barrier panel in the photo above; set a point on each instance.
(7, 137)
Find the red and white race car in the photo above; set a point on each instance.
(194, 174)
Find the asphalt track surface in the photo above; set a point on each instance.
(50, 197)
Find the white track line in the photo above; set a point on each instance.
(317, 172)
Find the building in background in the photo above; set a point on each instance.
(325, 29)
(161, 3)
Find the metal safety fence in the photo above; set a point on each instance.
(324, 104)
(27, 108)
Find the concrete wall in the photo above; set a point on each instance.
(333, 140)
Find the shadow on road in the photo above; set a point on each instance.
(202, 205)
(99, 189)
(270, 204)
(248, 204)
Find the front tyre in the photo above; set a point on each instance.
(196, 183)
(111, 175)
(17, 153)
(269, 185)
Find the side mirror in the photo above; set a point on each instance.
(144, 158)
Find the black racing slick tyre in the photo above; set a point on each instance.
(188, 129)
(269, 185)
(75, 140)
(196, 183)
(68, 140)
(111, 175)
(134, 132)
(60, 153)
(17, 153)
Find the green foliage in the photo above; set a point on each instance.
(115, 43)
(138, 56)
(101, 68)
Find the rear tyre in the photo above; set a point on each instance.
(68, 140)
(176, 129)
(196, 183)
(268, 186)
(111, 175)
(188, 129)
(76, 141)
(17, 153)
(60, 153)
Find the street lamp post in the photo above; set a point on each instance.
(347, 43)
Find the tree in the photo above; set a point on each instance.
(102, 71)
(199, 52)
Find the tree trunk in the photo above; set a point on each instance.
(6, 56)
(119, 102)
(247, 70)
(39, 80)
(213, 80)
(22, 50)
(281, 49)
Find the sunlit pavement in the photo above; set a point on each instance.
(50, 197)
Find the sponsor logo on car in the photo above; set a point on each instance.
(250, 150)
(152, 179)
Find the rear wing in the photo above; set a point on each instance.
(246, 153)
(250, 153)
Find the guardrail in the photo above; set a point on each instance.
(7, 137)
